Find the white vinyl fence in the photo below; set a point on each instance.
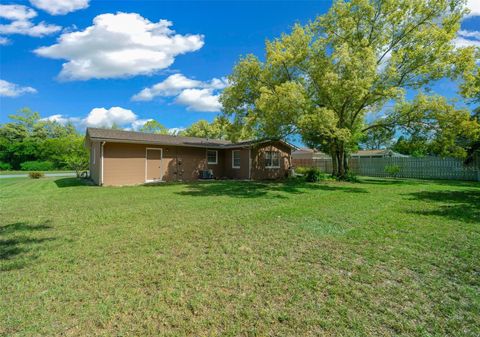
(420, 168)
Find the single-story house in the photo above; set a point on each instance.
(120, 157)
(303, 154)
(306, 153)
(376, 154)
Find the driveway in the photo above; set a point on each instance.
(66, 174)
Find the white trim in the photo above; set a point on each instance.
(216, 157)
(278, 157)
(101, 162)
(233, 160)
(161, 163)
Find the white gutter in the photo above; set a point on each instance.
(101, 161)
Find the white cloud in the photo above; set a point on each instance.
(173, 85)
(175, 131)
(196, 95)
(101, 117)
(9, 89)
(199, 100)
(20, 22)
(467, 38)
(119, 45)
(470, 33)
(60, 7)
(136, 125)
(16, 12)
(474, 7)
(4, 41)
(28, 28)
(62, 119)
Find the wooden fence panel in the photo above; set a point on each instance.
(410, 167)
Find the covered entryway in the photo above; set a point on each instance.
(153, 165)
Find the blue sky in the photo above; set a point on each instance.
(188, 66)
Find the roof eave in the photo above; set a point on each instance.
(131, 141)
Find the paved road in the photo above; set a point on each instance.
(66, 174)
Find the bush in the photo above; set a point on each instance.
(5, 166)
(37, 166)
(301, 170)
(36, 175)
(314, 175)
(392, 170)
(351, 177)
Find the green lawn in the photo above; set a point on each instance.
(379, 257)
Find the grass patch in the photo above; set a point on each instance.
(380, 257)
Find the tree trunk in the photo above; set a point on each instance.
(334, 162)
(340, 162)
(345, 163)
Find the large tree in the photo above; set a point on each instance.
(219, 128)
(322, 79)
(153, 126)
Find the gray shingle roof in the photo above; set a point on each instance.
(151, 138)
(142, 137)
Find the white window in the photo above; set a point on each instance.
(93, 155)
(272, 159)
(212, 157)
(236, 159)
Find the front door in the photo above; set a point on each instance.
(153, 170)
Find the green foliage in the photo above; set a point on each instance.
(36, 175)
(5, 166)
(29, 138)
(220, 128)
(392, 170)
(377, 138)
(414, 146)
(37, 165)
(301, 170)
(445, 130)
(152, 126)
(350, 177)
(322, 79)
(313, 175)
(76, 157)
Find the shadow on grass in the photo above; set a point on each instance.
(17, 241)
(414, 182)
(251, 189)
(455, 205)
(71, 182)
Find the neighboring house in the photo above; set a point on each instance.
(306, 153)
(127, 158)
(376, 154)
(310, 154)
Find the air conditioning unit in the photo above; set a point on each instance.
(206, 174)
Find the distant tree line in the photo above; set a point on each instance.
(30, 143)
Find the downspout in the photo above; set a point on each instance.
(250, 163)
(101, 161)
